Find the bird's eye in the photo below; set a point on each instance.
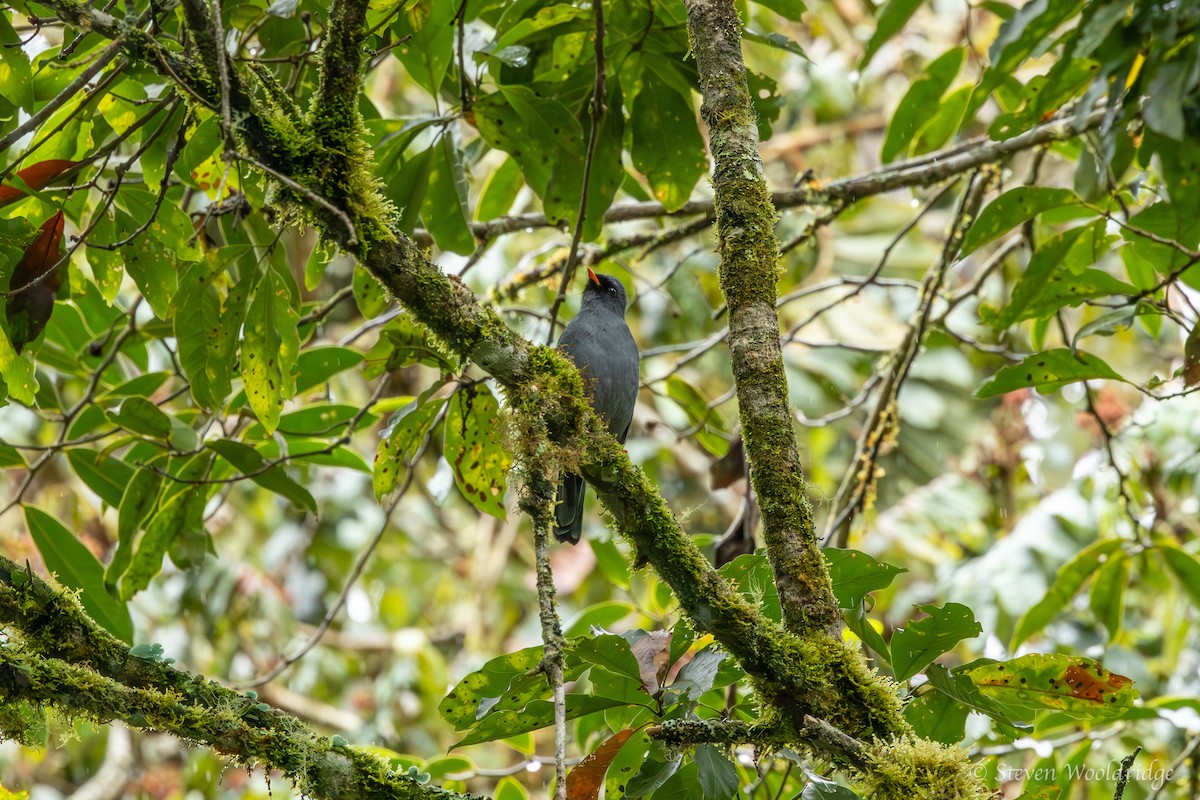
(612, 289)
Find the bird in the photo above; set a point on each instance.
(600, 344)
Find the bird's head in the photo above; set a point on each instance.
(606, 291)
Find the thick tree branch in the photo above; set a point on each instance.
(749, 273)
(68, 662)
(927, 170)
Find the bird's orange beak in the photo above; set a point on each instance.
(592, 277)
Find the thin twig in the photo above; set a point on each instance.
(597, 122)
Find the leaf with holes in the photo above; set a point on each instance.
(474, 447)
(1076, 686)
(1048, 370)
(270, 345)
(1011, 209)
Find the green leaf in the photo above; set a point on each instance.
(598, 615)
(407, 187)
(273, 478)
(788, 9)
(892, 17)
(1058, 276)
(1165, 221)
(76, 568)
(464, 705)
(532, 130)
(1067, 583)
(625, 766)
(561, 200)
(776, 40)
(369, 295)
(818, 788)
(1107, 596)
(447, 207)
(317, 365)
(138, 415)
(402, 438)
(751, 575)
(1011, 209)
(666, 145)
(204, 354)
(945, 122)
(322, 419)
(1184, 566)
(105, 475)
(913, 113)
(11, 457)
(153, 257)
(607, 650)
(917, 644)
(536, 715)
(509, 789)
(653, 774)
(712, 427)
(860, 625)
(16, 76)
(474, 447)
(716, 774)
(699, 674)
(1048, 370)
(1045, 95)
(141, 386)
(427, 55)
(270, 345)
(17, 372)
(402, 342)
(1076, 686)
(137, 501)
(935, 715)
(855, 575)
(500, 191)
(178, 515)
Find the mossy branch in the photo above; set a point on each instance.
(749, 273)
(62, 659)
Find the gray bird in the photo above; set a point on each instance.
(600, 344)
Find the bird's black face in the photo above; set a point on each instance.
(608, 291)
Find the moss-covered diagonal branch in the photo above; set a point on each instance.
(749, 272)
(319, 766)
(61, 658)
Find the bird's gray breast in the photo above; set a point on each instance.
(606, 355)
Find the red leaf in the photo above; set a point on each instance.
(35, 282)
(585, 780)
(35, 178)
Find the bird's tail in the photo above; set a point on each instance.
(568, 509)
